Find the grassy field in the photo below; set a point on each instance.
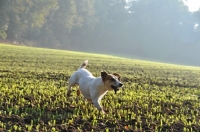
(156, 96)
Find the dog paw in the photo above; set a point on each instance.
(103, 112)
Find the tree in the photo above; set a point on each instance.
(65, 27)
(3, 19)
(21, 17)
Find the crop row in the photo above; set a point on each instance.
(155, 97)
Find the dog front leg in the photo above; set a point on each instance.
(97, 105)
(69, 90)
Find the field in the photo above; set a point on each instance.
(156, 96)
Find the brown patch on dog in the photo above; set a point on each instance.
(108, 77)
(104, 75)
(78, 92)
(89, 100)
(117, 75)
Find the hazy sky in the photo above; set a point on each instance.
(193, 5)
(185, 28)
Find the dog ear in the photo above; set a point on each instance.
(103, 75)
(117, 75)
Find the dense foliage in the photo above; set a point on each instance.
(143, 28)
(72, 23)
(156, 96)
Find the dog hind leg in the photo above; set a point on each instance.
(78, 92)
(69, 90)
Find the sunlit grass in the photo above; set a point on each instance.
(156, 96)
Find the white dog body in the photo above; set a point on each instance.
(93, 88)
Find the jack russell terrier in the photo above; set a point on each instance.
(93, 88)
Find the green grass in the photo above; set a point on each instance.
(156, 96)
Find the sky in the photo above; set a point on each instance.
(193, 5)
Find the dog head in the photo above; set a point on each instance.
(111, 81)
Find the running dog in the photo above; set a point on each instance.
(93, 88)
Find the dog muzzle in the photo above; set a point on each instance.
(116, 88)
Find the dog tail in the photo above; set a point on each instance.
(84, 64)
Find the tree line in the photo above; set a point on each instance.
(47, 23)
(139, 27)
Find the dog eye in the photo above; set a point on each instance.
(112, 79)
